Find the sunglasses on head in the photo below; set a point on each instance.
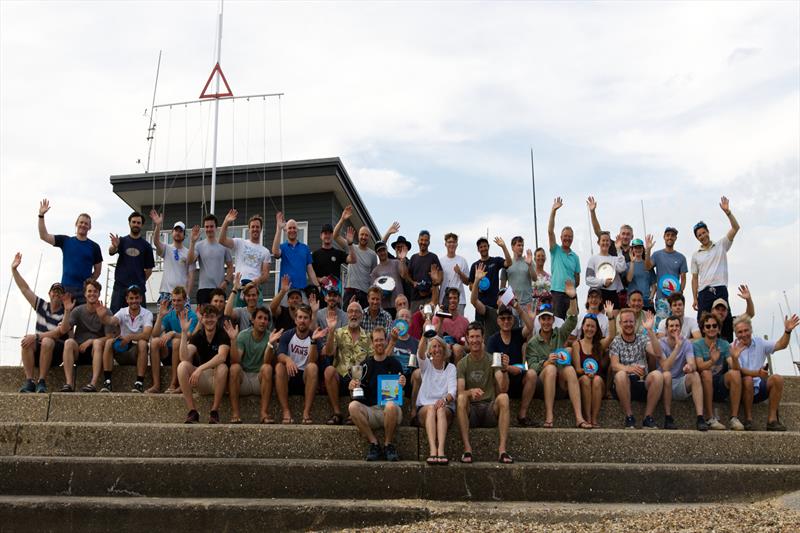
(591, 315)
(545, 307)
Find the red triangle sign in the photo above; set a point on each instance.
(216, 70)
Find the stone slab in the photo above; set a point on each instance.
(8, 438)
(29, 407)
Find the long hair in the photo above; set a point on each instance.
(597, 348)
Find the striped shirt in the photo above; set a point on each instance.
(47, 320)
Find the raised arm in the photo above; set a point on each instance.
(473, 296)
(337, 230)
(724, 204)
(591, 203)
(612, 325)
(393, 228)
(114, 246)
(237, 286)
(551, 223)
(744, 294)
(44, 207)
(789, 324)
(20, 281)
(157, 221)
(195, 235)
(230, 218)
(275, 304)
(280, 224)
(506, 254)
(649, 242)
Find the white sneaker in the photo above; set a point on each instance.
(735, 424)
(714, 424)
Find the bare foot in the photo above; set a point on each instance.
(153, 390)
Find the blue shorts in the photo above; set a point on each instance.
(721, 392)
(761, 394)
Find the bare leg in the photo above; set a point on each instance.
(666, 394)
(234, 386)
(70, 354)
(502, 381)
(502, 411)
(97, 359)
(585, 383)
(748, 392)
(655, 384)
(528, 388)
(708, 393)
(462, 410)
(598, 391)
(46, 348)
(155, 364)
(282, 389)
(775, 389)
(570, 379)
(332, 387)
(622, 385)
(176, 360)
(733, 379)
(694, 385)
(141, 357)
(265, 379)
(310, 377)
(107, 357)
(427, 419)
(443, 418)
(391, 414)
(358, 414)
(185, 369)
(29, 358)
(220, 381)
(549, 373)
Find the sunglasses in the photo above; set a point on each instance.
(505, 317)
(175, 254)
(591, 315)
(545, 307)
(711, 326)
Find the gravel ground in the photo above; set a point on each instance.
(767, 516)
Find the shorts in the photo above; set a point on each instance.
(375, 416)
(638, 389)
(203, 296)
(205, 385)
(249, 384)
(84, 357)
(721, 392)
(58, 353)
(128, 356)
(515, 385)
(679, 391)
(481, 415)
(344, 384)
(297, 386)
(762, 393)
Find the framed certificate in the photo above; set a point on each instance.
(389, 389)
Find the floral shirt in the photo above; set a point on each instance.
(541, 288)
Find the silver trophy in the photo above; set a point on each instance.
(497, 360)
(428, 330)
(441, 312)
(357, 373)
(606, 271)
(412, 361)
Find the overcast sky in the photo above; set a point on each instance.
(433, 108)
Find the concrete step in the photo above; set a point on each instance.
(162, 408)
(306, 479)
(344, 443)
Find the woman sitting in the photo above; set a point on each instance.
(592, 344)
(437, 394)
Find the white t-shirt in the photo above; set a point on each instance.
(711, 266)
(248, 258)
(451, 279)
(176, 268)
(688, 327)
(602, 319)
(436, 383)
(297, 349)
(129, 325)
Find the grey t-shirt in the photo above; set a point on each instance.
(242, 317)
(87, 324)
(358, 273)
(519, 280)
(391, 268)
(212, 258)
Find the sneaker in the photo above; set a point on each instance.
(29, 386)
(138, 386)
(649, 423)
(630, 422)
(106, 386)
(391, 453)
(735, 425)
(41, 387)
(775, 425)
(193, 417)
(715, 424)
(701, 424)
(669, 423)
(213, 417)
(748, 425)
(375, 453)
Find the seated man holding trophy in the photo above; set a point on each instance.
(376, 399)
(478, 406)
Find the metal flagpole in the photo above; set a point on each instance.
(151, 127)
(789, 313)
(216, 112)
(535, 218)
(644, 224)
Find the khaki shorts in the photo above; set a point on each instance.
(249, 385)
(205, 385)
(375, 416)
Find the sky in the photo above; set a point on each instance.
(433, 108)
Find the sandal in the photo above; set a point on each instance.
(335, 420)
(432, 460)
(505, 459)
(443, 460)
(236, 421)
(348, 421)
(89, 388)
(595, 425)
(287, 420)
(583, 424)
(547, 425)
(67, 388)
(172, 391)
(466, 458)
(307, 421)
(267, 420)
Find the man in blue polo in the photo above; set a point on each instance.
(295, 256)
(566, 264)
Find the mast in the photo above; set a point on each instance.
(533, 186)
(151, 126)
(216, 113)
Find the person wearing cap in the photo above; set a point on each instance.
(720, 310)
(566, 264)
(283, 316)
(81, 256)
(295, 256)
(374, 316)
(689, 328)
(667, 262)
(490, 266)
(389, 268)
(177, 270)
(709, 265)
(135, 324)
(347, 346)
(327, 261)
(45, 347)
(360, 259)
(250, 258)
(333, 308)
(419, 271)
(510, 340)
(547, 302)
(542, 358)
(135, 263)
(757, 384)
(639, 277)
(609, 287)
(717, 361)
(455, 272)
(165, 342)
(594, 306)
(216, 261)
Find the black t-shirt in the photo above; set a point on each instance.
(492, 267)
(328, 262)
(513, 349)
(284, 320)
(369, 382)
(207, 350)
(489, 322)
(420, 269)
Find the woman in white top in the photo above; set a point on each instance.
(609, 286)
(437, 395)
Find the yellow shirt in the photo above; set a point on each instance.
(349, 353)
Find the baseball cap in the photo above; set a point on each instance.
(424, 232)
(720, 301)
(699, 225)
(594, 290)
(380, 245)
(294, 290)
(326, 228)
(179, 224)
(670, 229)
(504, 310)
(57, 287)
(134, 289)
(637, 242)
(545, 309)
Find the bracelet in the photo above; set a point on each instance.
(787, 332)
(41, 216)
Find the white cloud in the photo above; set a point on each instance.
(386, 183)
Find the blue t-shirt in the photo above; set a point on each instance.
(701, 351)
(171, 322)
(668, 263)
(642, 279)
(492, 267)
(565, 265)
(294, 263)
(135, 255)
(78, 259)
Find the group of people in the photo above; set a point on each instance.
(401, 314)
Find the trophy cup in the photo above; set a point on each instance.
(497, 360)
(358, 372)
(429, 331)
(412, 361)
(441, 313)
